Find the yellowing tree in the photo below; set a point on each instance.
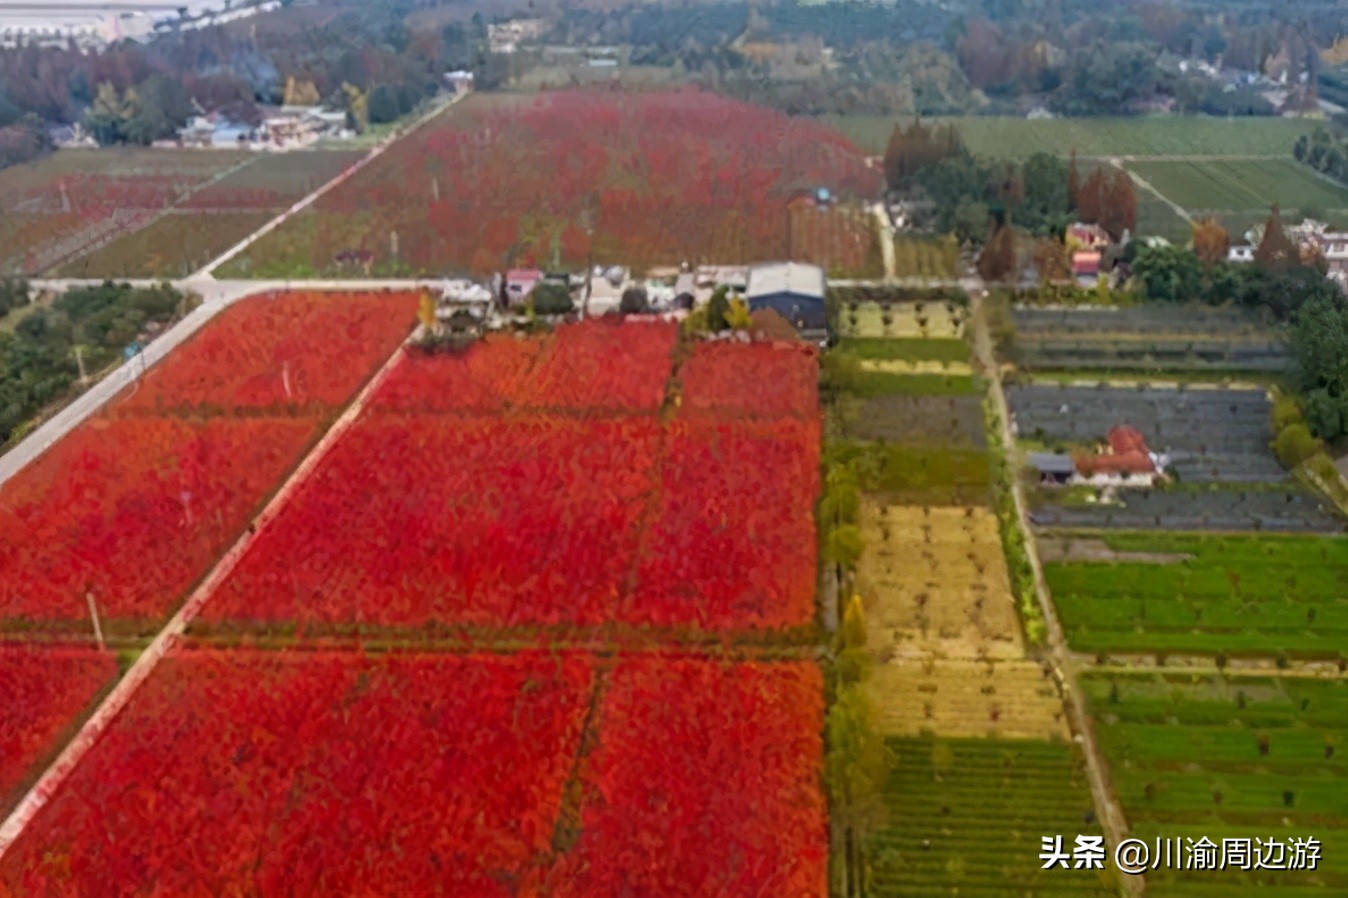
(426, 310)
(737, 314)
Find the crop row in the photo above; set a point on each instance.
(340, 774)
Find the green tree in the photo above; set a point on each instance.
(108, 115)
(1168, 273)
(857, 769)
(1320, 345)
(1046, 208)
(550, 298)
(634, 301)
(383, 105)
(717, 309)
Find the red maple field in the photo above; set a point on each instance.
(580, 177)
(132, 506)
(583, 513)
(44, 688)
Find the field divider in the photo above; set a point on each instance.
(342, 177)
(175, 630)
(1112, 820)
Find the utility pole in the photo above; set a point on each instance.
(79, 360)
(93, 615)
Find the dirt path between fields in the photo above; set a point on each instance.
(1151, 188)
(1112, 820)
(886, 239)
(173, 632)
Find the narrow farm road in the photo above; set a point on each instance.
(886, 238)
(348, 173)
(172, 633)
(1151, 188)
(1112, 819)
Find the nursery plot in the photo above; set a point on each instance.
(951, 420)
(1210, 436)
(647, 179)
(173, 246)
(1147, 339)
(1239, 595)
(1286, 509)
(61, 206)
(1236, 757)
(412, 521)
(902, 319)
(934, 579)
(705, 781)
(965, 697)
(761, 380)
(317, 773)
(294, 349)
(46, 688)
(966, 817)
(131, 512)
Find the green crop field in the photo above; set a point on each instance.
(1140, 136)
(1243, 190)
(916, 349)
(1194, 756)
(966, 817)
(1234, 594)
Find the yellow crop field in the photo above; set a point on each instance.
(934, 582)
(903, 319)
(1012, 699)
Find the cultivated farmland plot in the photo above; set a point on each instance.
(1211, 436)
(1287, 510)
(81, 213)
(902, 319)
(968, 698)
(582, 477)
(967, 816)
(644, 179)
(1224, 758)
(1242, 595)
(1148, 338)
(1186, 135)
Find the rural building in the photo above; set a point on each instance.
(794, 291)
(1124, 461)
(1053, 467)
(1086, 266)
(1240, 255)
(1335, 247)
(1087, 236)
(520, 282)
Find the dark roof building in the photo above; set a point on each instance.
(794, 291)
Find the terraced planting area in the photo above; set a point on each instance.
(1147, 339)
(967, 816)
(1248, 595)
(902, 319)
(1230, 758)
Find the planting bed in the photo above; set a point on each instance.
(871, 319)
(1148, 338)
(966, 817)
(899, 418)
(1197, 756)
(1240, 595)
(46, 688)
(935, 580)
(1285, 509)
(648, 178)
(966, 697)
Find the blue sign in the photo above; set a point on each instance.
(131, 351)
